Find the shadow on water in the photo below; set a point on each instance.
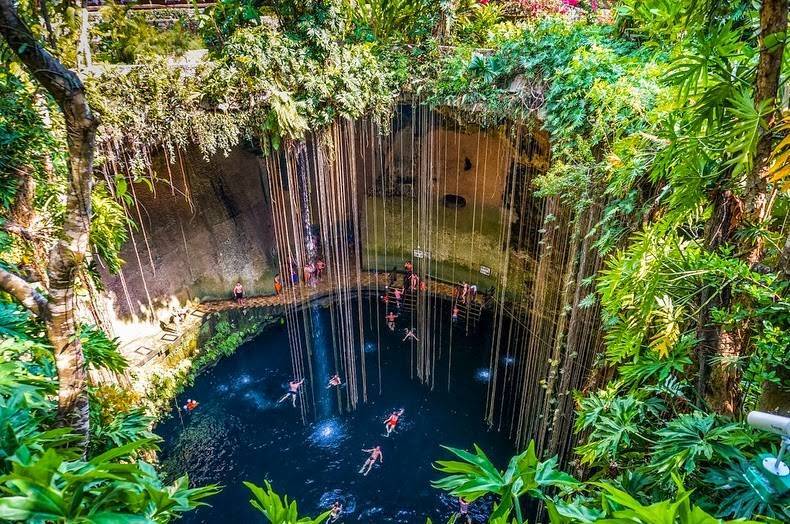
(239, 432)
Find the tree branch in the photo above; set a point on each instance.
(58, 80)
(22, 232)
(26, 294)
(72, 245)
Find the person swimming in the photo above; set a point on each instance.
(463, 510)
(375, 454)
(335, 512)
(190, 405)
(392, 421)
(410, 334)
(293, 390)
(391, 320)
(334, 381)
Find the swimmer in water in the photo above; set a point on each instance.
(463, 511)
(334, 381)
(391, 320)
(190, 405)
(293, 390)
(410, 334)
(375, 454)
(335, 512)
(392, 421)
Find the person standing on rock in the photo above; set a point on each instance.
(238, 292)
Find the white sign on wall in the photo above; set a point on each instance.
(485, 270)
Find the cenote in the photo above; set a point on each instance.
(554, 233)
(239, 432)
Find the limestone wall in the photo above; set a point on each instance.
(203, 228)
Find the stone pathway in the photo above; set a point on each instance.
(140, 351)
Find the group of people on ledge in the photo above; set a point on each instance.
(463, 292)
(463, 295)
(312, 273)
(411, 280)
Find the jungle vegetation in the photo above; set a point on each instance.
(669, 123)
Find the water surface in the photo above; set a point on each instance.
(239, 432)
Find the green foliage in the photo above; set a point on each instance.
(684, 440)
(622, 507)
(43, 478)
(388, 20)
(108, 232)
(23, 137)
(224, 342)
(101, 351)
(647, 120)
(475, 476)
(737, 495)
(47, 487)
(602, 502)
(123, 427)
(319, 20)
(263, 85)
(125, 36)
(278, 510)
(615, 423)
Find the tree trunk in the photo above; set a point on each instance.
(47, 24)
(70, 250)
(20, 222)
(720, 229)
(784, 259)
(718, 383)
(773, 23)
(84, 58)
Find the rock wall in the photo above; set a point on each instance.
(206, 225)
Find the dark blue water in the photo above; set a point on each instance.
(239, 433)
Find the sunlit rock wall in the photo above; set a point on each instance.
(206, 225)
(490, 171)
